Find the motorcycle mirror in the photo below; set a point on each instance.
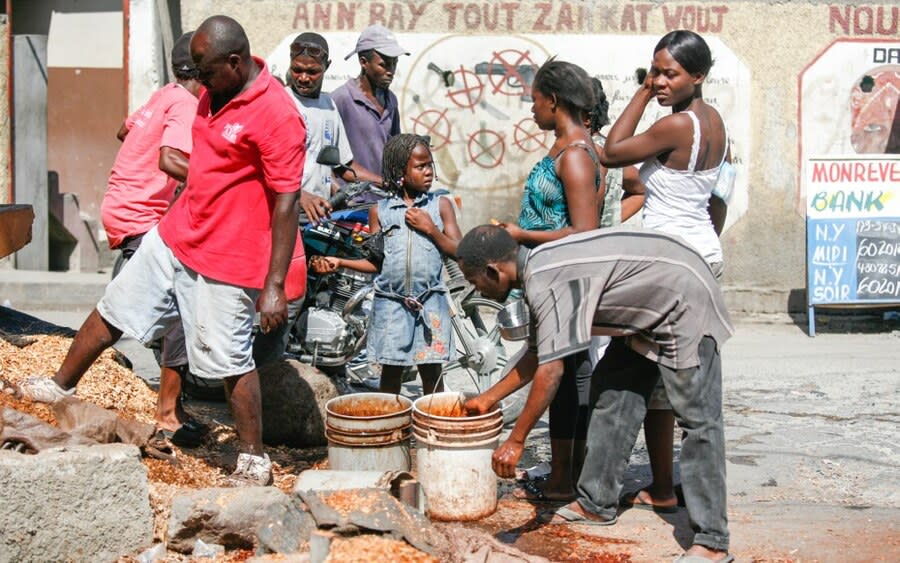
(329, 156)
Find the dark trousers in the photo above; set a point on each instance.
(571, 407)
(622, 384)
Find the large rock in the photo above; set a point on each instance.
(293, 403)
(261, 518)
(83, 503)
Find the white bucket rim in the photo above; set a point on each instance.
(461, 396)
(407, 409)
(389, 441)
(437, 426)
(420, 439)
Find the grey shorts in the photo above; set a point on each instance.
(155, 293)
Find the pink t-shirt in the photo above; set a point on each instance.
(139, 192)
(244, 155)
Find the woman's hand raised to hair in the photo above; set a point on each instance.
(648, 83)
(514, 230)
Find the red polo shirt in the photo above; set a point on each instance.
(243, 155)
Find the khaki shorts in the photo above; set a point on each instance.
(156, 292)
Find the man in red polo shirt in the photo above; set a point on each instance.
(153, 160)
(224, 249)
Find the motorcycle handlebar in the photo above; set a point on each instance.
(339, 199)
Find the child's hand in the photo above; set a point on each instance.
(420, 220)
(324, 264)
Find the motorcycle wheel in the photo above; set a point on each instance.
(477, 324)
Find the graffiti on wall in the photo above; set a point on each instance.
(472, 95)
(864, 20)
(500, 16)
(850, 102)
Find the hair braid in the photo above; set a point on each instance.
(396, 154)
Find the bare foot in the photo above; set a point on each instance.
(174, 421)
(645, 498)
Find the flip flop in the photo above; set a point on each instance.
(570, 517)
(189, 435)
(540, 472)
(631, 501)
(534, 493)
(160, 447)
(698, 559)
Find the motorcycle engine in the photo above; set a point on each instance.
(325, 330)
(322, 329)
(343, 284)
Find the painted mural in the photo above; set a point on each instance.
(472, 95)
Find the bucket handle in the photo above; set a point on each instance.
(459, 395)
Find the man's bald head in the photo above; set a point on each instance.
(221, 52)
(225, 36)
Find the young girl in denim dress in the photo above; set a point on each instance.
(410, 322)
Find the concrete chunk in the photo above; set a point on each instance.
(263, 518)
(84, 503)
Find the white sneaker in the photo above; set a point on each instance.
(43, 390)
(251, 470)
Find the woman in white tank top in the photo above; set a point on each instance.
(682, 152)
(682, 155)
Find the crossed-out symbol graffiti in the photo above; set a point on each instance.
(434, 123)
(528, 137)
(471, 91)
(507, 73)
(486, 148)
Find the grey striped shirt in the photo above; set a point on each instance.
(650, 287)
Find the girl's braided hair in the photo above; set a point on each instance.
(396, 154)
(599, 114)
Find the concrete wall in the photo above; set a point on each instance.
(5, 148)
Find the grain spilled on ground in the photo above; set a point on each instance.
(107, 383)
(371, 548)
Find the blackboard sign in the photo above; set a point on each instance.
(852, 231)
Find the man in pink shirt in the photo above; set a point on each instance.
(152, 162)
(227, 248)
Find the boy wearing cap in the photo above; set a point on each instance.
(153, 160)
(367, 106)
(324, 127)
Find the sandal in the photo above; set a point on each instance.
(534, 493)
(189, 435)
(540, 472)
(159, 447)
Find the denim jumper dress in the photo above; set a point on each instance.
(410, 321)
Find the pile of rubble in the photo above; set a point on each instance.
(81, 498)
(87, 492)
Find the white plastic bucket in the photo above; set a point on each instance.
(368, 432)
(453, 458)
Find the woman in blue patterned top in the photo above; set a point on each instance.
(560, 199)
(561, 190)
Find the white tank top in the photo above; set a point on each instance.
(676, 200)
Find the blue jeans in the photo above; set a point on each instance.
(621, 388)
